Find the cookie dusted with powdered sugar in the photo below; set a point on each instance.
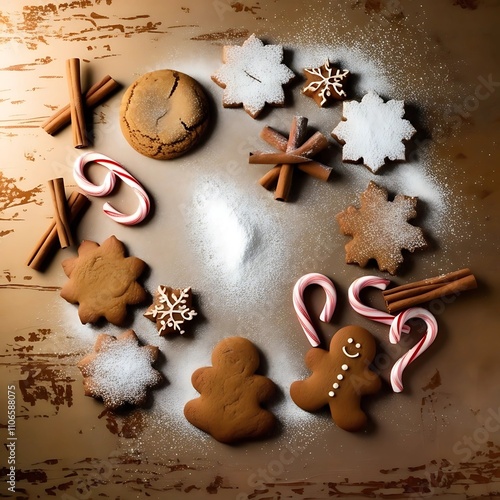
(119, 370)
(380, 229)
(373, 130)
(252, 76)
(164, 114)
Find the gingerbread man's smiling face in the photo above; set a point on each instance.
(353, 346)
(352, 349)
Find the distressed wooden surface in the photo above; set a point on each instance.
(440, 438)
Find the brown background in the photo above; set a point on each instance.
(440, 437)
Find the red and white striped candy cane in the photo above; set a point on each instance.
(115, 170)
(369, 312)
(300, 308)
(416, 350)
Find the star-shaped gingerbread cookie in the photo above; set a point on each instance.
(102, 280)
(119, 370)
(253, 75)
(380, 229)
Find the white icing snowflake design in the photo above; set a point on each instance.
(328, 84)
(253, 75)
(171, 312)
(373, 130)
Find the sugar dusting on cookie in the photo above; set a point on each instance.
(372, 130)
(120, 370)
(252, 75)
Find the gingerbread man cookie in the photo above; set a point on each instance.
(340, 377)
(229, 406)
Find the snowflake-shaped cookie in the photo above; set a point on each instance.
(103, 281)
(252, 75)
(119, 370)
(380, 229)
(171, 308)
(373, 130)
(325, 83)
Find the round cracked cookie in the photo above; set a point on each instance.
(164, 113)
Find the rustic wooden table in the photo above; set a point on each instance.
(215, 229)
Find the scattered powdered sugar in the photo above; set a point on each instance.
(253, 75)
(373, 130)
(246, 248)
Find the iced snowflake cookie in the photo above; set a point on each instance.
(103, 281)
(325, 84)
(119, 370)
(253, 75)
(229, 407)
(380, 229)
(373, 130)
(171, 309)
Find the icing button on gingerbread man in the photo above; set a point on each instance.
(339, 378)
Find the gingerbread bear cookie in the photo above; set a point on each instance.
(229, 406)
(339, 378)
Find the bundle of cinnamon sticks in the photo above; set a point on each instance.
(66, 212)
(293, 152)
(419, 292)
(74, 112)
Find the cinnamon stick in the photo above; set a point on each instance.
(47, 244)
(61, 209)
(263, 158)
(96, 94)
(316, 169)
(274, 138)
(418, 292)
(76, 103)
(297, 133)
(284, 182)
(315, 144)
(269, 179)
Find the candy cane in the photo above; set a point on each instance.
(300, 308)
(115, 170)
(416, 350)
(369, 312)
